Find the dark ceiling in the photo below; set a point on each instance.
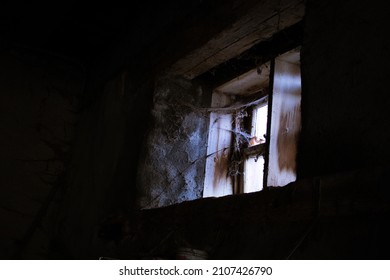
(82, 31)
(64, 27)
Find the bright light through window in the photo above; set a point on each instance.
(254, 164)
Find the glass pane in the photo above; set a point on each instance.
(259, 124)
(253, 175)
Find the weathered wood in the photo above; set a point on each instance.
(260, 23)
(281, 42)
(255, 150)
(251, 82)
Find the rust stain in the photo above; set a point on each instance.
(287, 139)
(221, 166)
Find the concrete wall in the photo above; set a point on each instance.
(172, 167)
(39, 102)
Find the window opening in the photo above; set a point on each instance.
(238, 129)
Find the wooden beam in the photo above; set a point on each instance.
(258, 24)
(281, 42)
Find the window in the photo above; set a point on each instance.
(253, 130)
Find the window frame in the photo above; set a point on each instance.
(257, 150)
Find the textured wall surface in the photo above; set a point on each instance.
(172, 168)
